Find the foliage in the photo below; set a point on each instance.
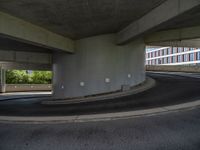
(25, 77)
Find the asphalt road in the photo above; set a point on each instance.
(170, 89)
(173, 131)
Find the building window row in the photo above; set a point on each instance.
(175, 59)
(168, 51)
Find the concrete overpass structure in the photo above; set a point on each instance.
(94, 46)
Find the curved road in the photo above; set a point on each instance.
(170, 89)
(174, 131)
(171, 131)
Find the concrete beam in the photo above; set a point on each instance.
(175, 37)
(25, 57)
(181, 43)
(25, 66)
(161, 14)
(19, 29)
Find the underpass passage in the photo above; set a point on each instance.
(170, 89)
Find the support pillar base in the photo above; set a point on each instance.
(2, 88)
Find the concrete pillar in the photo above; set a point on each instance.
(2, 80)
(98, 66)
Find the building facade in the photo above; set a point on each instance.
(173, 56)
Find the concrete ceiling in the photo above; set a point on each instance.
(79, 18)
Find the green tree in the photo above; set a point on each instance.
(41, 77)
(23, 77)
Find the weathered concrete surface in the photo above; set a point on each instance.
(98, 66)
(79, 18)
(173, 68)
(19, 29)
(162, 14)
(175, 37)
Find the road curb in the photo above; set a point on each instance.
(99, 117)
(148, 83)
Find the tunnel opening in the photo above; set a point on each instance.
(28, 81)
(174, 56)
(16, 83)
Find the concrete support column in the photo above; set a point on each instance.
(98, 66)
(2, 80)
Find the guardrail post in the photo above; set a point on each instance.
(2, 80)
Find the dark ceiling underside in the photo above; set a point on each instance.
(79, 18)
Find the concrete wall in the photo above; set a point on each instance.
(173, 68)
(27, 87)
(98, 58)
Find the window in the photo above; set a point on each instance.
(179, 50)
(179, 58)
(174, 50)
(159, 61)
(185, 58)
(198, 55)
(169, 51)
(191, 57)
(191, 49)
(165, 51)
(174, 59)
(165, 60)
(186, 49)
(153, 62)
(159, 53)
(168, 60)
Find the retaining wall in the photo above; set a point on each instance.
(170, 68)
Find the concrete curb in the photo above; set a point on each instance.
(181, 74)
(147, 84)
(99, 117)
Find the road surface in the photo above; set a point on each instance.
(173, 131)
(170, 89)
